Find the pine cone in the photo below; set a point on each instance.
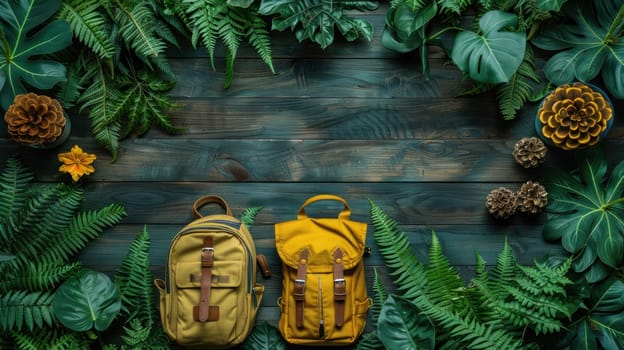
(35, 119)
(530, 152)
(501, 203)
(532, 197)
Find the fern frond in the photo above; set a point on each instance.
(89, 25)
(504, 272)
(396, 250)
(49, 340)
(24, 310)
(38, 275)
(83, 227)
(456, 7)
(135, 336)
(14, 180)
(380, 296)
(259, 38)
(134, 281)
(443, 280)
(414, 5)
(137, 26)
(512, 95)
(249, 215)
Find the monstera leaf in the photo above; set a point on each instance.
(86, 301)
(402, 326)
(21, 45)
(403, 31)
(594, 44)
(601, 322)
(586, 212)
(315, 20)
(493, 56)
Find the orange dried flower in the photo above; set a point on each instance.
(76, 162)
(573, 116)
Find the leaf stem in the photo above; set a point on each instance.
(615, 28)
(442, 31)
(614, 202)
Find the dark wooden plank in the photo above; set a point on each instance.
(179, 159)
(302, 77)
(408, 203)
(340, 118)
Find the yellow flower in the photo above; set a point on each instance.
(76, 162)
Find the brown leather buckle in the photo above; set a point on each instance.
(340, 289)
(299, 291)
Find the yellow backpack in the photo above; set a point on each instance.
(209, 297)
(324, 300)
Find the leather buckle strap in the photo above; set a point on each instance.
(340, 288)
(299, 290)
(204, 311)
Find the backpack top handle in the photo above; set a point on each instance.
(201, 201)
(344, 214)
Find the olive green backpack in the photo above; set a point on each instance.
(209, 297)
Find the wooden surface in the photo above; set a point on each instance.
(355, 120)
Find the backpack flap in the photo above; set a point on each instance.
(321, 236)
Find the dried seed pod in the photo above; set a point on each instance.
(35, 119)
(530, 152)
(501, 203)
(531, 197)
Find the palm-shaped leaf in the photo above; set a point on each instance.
(594, 44)
(17, 62)
(402, 326)
(494, 55)
(587, 215)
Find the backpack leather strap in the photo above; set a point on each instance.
(340, 288)
(299, 290)
(206, 312)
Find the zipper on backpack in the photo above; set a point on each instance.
(322, 316)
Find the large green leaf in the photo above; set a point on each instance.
(403, 29)
(402, 326)
(601, 325)
(587, 213)
(315, 20)
(86, 301)
(25, 39)
(264, 336)
(494, 55)
(593, 44)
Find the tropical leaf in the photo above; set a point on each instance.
(26, 310)
(493, 56)
(402, 326)
(249, 215)
(315, 20)
(404, 28)
(14, 180)
(586, 211)
(601, 324)
(25, 37)
(87, 301)
(513, 95)
(593, 44)
(264, 337)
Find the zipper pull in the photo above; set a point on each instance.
(320, 302)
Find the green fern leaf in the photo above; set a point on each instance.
(134, 281)
(24, 310)
(89, 25)
(137, 26)
(49, 339)
(38, 275)
(456, 7)
(514, 94)
(443, 280)
(396, 250)
(380, 297)
(14, 180)
(249, 215)
(259, 38)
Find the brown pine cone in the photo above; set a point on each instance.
(531, 197)
(35, 119)
(530, 152)
(501, 203)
